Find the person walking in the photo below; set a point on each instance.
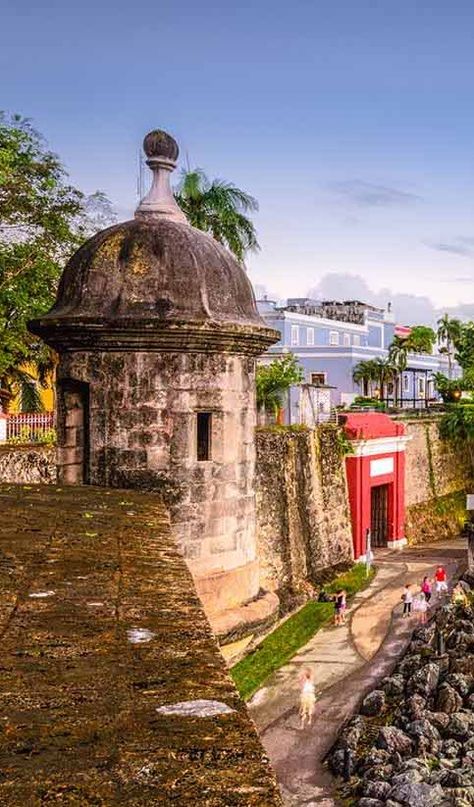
(307, 697)
(420, 605)
(426, 589)
(340, 607)
(441, 579)
(407, 598)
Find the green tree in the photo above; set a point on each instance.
(449, 388)
(464, 346)
(274, 379)
(421, 339)
(448, 334)
(398, 357)
(457, 425)
(386, 373)
(43, 220)
(219, 208)
(364, 373)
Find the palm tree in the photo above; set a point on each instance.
(449, 331)
(398, 356)
(364, 373)
(386, 372)
(218, 208)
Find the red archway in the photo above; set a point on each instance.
(376, 480)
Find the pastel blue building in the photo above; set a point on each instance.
(330, 338)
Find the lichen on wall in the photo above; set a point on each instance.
(29, 465)
(438, 475)
(112, 687)
(303, 520)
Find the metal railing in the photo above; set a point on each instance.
(29, 427)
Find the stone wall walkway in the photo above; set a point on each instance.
(347, 662)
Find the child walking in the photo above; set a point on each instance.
(340, 606)
(426, 588)
(420, 605)
(307, 697)
(407, 598)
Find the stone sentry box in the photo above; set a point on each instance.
(157, 331)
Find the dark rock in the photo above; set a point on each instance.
(409, 665)
(393, 685)
(393, 739)
(352, 733)
(376, 756)
(424, 633)
(411, 775)
(464, 626)
(451, 749)
(425, 681)
(423, 728)
(383, 772)
(337, 762)
(377, 789)
(461, 726)
(447, 700)
(417, 794)
(459, 682)
(458, 778)
(439, 720)
(373, 704)
(463, 665)
(415, 706)
(470, 702)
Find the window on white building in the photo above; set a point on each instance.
(319, 379)
(421, 386)
(347, 339)
(356, 340)
(333, 338)
(406, 382)
(295, 335)
(310, 336)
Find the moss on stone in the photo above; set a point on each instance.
(80, 568)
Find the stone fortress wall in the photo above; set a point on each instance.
(303, 520)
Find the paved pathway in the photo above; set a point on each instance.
(347, 661)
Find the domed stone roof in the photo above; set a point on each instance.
(154, 274)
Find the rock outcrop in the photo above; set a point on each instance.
(413, 743)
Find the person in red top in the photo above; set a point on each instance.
(441, 580)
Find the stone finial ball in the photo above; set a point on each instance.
(160, 144)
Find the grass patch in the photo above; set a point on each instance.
(281, 645)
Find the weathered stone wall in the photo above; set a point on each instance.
(28, 465)
(303, 520)
(434, 467)
(141, 433)
(112, 687)
(438, 475)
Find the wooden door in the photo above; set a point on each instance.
(379, 515)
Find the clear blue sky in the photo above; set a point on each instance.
(352, 122)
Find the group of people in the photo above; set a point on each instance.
(412, 601)
(420, 601)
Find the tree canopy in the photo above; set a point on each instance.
(219, 208)
(274, 379)
(43, 220)
(421, 339)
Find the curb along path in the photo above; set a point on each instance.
(348, 661)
